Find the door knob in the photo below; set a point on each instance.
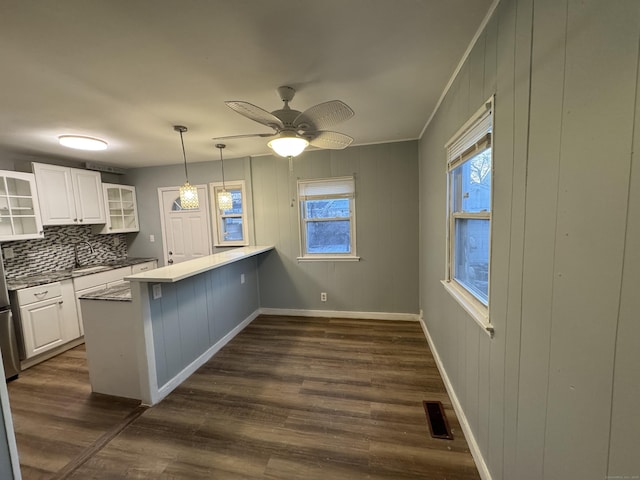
(170, 261)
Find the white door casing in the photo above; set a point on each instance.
(186, 234)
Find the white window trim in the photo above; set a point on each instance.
(479, 312)
(321, 257)
(218, 239)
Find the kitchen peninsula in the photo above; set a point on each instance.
(143, 341)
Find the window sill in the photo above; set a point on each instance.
(478, 312)
(330, 258)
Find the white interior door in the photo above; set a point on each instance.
(186, 233)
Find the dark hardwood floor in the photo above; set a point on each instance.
(55, 415)
(288, 398)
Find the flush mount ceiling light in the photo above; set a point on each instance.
(288, 144)
(80, 142)
(225, 201)
(188, 193)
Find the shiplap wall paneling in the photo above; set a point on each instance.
(601, 56)
(386, 209)
(625, 420)
(545, 118)
(511, 120)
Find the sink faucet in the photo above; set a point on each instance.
(75, 251)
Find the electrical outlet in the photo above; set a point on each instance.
(323, 296)
(242, 278)
(157, 291)
(152, 238)
(8, 253)
(116, 241)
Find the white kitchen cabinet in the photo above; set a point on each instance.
(122, 209)
(69, 196)
(19, 208)
(47, 322)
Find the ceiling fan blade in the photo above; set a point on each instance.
(330, 140)
(255, 113)
(323, 115)
(247, 135)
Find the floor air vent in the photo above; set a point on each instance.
(437, 421)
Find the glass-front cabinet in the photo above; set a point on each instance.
(122, 209)
(19, 209)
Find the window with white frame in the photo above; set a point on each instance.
(230, 226)
(470, 167)
(327, 219)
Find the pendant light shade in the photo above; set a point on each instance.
(288, 144)
(225, 200)
(188, 193)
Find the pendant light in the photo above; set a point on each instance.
(188, 193)
(225, 201)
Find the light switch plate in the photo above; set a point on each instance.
(157, 291)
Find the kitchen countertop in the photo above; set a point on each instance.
(179, 271)
(120, 293)
(59, 275)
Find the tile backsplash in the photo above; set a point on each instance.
(56, 251)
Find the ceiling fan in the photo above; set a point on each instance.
(295, 130)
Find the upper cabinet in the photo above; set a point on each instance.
(122, 209)
(69, 196)
(19, 209)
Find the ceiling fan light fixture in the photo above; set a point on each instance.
(288, 144)
(188, 193)
(80, 142)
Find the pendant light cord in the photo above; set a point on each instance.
(220, 146)
(184, 155)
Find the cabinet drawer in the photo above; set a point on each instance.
(30, 295)
(102, 278)
(142, 267)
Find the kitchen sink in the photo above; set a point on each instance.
(88, 269)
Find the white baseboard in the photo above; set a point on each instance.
(186, 372)
(292, 312)
(468, 433)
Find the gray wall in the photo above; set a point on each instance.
(387, 233)
(147, 181)
(385, 279)
(554, 394)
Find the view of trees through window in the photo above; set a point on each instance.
(328, 228)
(471, 193)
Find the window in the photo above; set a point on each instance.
(469, 160)
(327, 219)
(230, 225)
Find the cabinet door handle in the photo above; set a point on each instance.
(60, 302)
(38, 294)
(75, 219)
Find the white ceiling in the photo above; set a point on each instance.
(128, 70)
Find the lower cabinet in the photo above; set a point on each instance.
(50, 314)
(47, 320)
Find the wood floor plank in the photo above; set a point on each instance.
(288, 398)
